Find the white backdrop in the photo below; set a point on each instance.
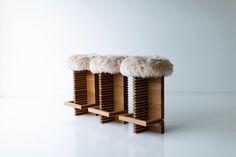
(37, 37)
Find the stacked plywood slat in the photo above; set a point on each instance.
(148, 105)
(140, 102)
(113, 97)
(156, 103)
(80, 91)
(106, 95)
(86, 93)
(120, 94)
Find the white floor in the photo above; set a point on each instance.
(196, 125)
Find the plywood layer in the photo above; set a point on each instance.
(85, 90)
(106, 95)
(80, 87)
(140, 102)
(156, 103)
(113, 98)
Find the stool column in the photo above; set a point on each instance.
(106, 92)
(80, 90)
(140, 102)
(156, 103)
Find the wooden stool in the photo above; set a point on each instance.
(113, 97)
(86, 93)
(148, 92)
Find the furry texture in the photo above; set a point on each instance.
(146, 67)
(106, 64)
(80, 62)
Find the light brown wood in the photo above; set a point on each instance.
(80, 87)
(96, 110)
(140, 103)
(129, 118)
(107, 95)
(120, 94)
(91, 97)
(78, 106)
(86, 92)
(148, 105)
(156, 103)
(80, 112)
(106, 84)
(113, 98)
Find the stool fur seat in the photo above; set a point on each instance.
(106, 64)
(113, 90)
(80, 62)
(146, 67)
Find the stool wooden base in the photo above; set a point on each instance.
(148, 105)
(86, 93)
(113, 98)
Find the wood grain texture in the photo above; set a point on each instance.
(120, 94)
(113, 96)
(140, 102)
(77, 106)
(106, 95)
(156, 103)
(86, 90)
(80, 111)
(96, 110)
(148, 104)
(80, 88)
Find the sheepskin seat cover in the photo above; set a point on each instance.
(80, 62)
(146, 67)
(106, 64)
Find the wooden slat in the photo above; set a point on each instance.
(80, 112)
(140, 104)
(86, 92)
(72, 104)
(144, 123)
(104, 119)
(128, 118)
(138, 129)
(78, 106)
(105, 88)
(96, 110)
(156, 102)
(80, 87)
(90, 90)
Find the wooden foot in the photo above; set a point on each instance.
(139, 128)
(158, 128)
(79, 112)
(104, 119)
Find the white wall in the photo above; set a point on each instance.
(37, 37)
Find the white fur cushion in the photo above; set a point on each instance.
(80, 62)
(106, 64)
(146, 67)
